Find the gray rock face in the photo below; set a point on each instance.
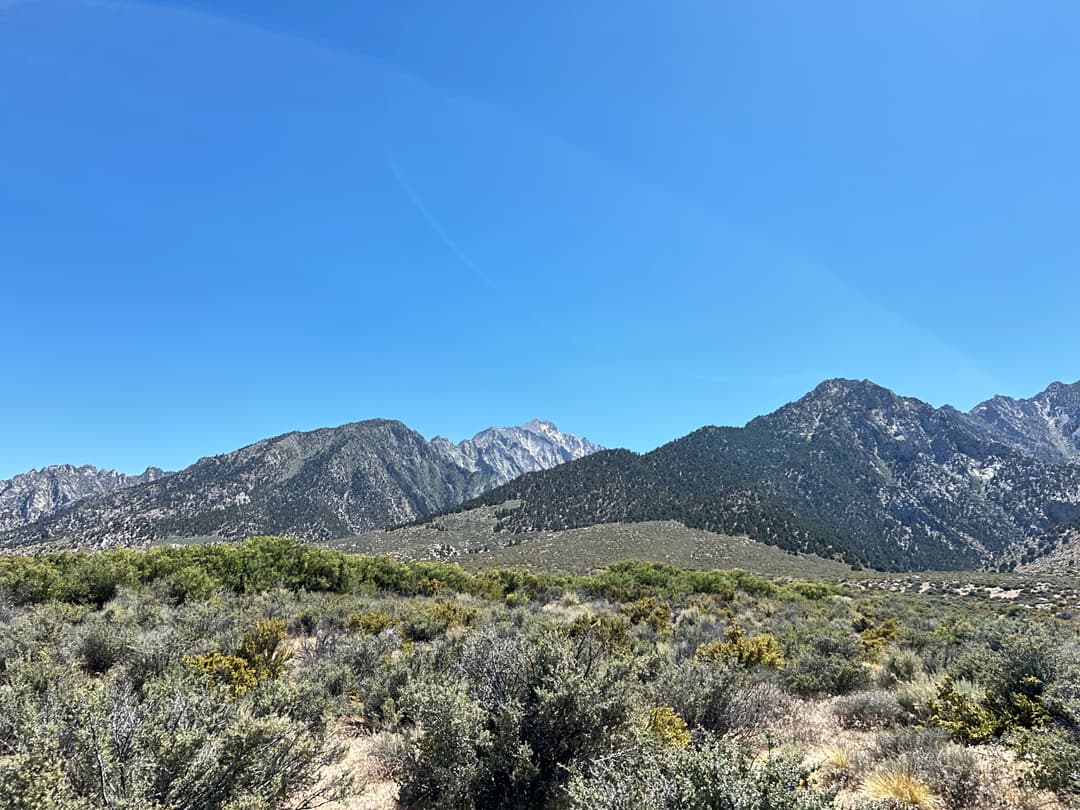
(498, 455)
(1046, 427)
(918, 480)
(312, 485)
(32, 495)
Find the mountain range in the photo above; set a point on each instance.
(312, 485)
(851, 472)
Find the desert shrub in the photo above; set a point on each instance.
(899, 742)
(964, 717)
(917, 697)
(757, 705)
(715, 775)
(866, 710)
(955, 774)
(667, 728)
(597, 634)
(422, 623)
(219, 671)
(1020, 667)
(692, 629)
(826, 662)
(172, 744)
(1016, 679)
(507, 742)
(99, 645)
(371, 622)
(446, 765)
(261, 647)
(957, 777)
(31, 781)
(651, 612)
(899, 666)
(259, 656)
(876, 637)
(1053, 756)
(701, 692)
(761, 650)
(453, 614)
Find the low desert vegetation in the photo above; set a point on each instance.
(223, 677)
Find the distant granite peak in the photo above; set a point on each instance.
(30, 495)
(1046, 426)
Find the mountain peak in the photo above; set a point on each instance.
(540, 426)
(313, 484)
(38, 492)
(1045, 426)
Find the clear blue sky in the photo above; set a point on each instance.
(220, 221)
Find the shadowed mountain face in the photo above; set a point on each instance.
(315, 485)
(31, 495)
(850, 470)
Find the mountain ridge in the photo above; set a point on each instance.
(850, 470)
(313, 485)
(1046, 425)
(30, 495)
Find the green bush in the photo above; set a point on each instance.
(899, 666)
(524, 710)
(826, 662)
(715, 775)
(1054, 758)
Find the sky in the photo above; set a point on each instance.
(222, 221)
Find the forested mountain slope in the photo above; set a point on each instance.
(850, 470)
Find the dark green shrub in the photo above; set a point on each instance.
(503, 735)
(964, 718)
(100, 645)
(1054, 757)
(191, 582)
(826, 662)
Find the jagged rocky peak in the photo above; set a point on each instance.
(503, 453)
(38, 492)
(1046, 426)
(841, 405)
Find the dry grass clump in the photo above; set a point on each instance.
(807, 722)
(897, 788)
(836, 765)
